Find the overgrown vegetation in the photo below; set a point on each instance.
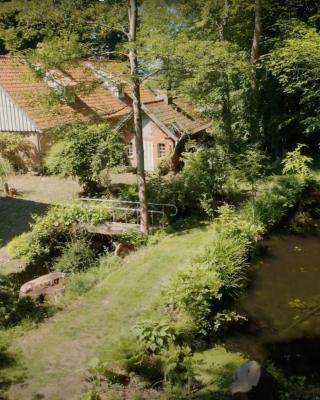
(51, 231)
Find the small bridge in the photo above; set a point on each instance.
(126, 215)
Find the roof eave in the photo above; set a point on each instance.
(160, 124)
(201, 128)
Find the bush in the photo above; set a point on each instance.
(14, 147)
(153, 336)
(53, 229)
(297, 163)
(271, 207)
(178, 371)
(77, 256)
(194, 292)
(84, 151)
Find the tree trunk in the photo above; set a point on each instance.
(254, 102)
(255, 49)
(136, 105)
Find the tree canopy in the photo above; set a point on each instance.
(252, 67)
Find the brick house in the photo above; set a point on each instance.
(24, 111)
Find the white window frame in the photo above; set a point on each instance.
(161, 150)
(130, 150)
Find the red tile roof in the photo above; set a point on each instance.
(120, 70)
(98, 104)
(29, 93)
(180, 115)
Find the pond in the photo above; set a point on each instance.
(283, 306)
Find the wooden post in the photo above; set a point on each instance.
(6, 189)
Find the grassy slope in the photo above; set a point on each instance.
(56, 353)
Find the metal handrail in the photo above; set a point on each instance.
(135, 209)
(137, 203)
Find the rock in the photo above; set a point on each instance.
(253, 382)
(122, 249)
(46, 286)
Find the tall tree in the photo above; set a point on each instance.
(255, 49)
(136, 104)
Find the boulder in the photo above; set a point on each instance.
(46, 286)
(122, 248)
(253, 382)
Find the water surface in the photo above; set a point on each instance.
(284, 291)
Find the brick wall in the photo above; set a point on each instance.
(158, 137)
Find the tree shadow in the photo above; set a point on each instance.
(16, 216)
(8, 375)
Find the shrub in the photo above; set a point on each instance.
(178, 370)
(194, 292)
(198, 187)
(297, 163)
(5, 170)
(84, 151)
(77, 256)
(271, 207)
(153, 336)
(53, 229)
(224, 319)
(13, 146)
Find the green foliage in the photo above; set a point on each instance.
(294, 61)
(205, 173)
(178, 370)
(12, 145)
(224, 319)
(154, 336)
(13, 310)
(301, 222)
(25, 25)
(220, 273)
(271, 207)
(297, 163)
(81, 282)
(5, 169)
(84, 151)
(194, 292)
(57, 52)
(251, 166)
(291, 388)
(203, 181)
(51, 231)
(77, 256)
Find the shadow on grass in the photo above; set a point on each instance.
(8, 375)
(16, 216)
(182, 225)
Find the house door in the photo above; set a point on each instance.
(147, 144)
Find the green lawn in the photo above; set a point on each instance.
(55, 354)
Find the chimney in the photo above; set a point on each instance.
(167, 98)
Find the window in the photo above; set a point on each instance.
(161, 150)
(130, 149)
